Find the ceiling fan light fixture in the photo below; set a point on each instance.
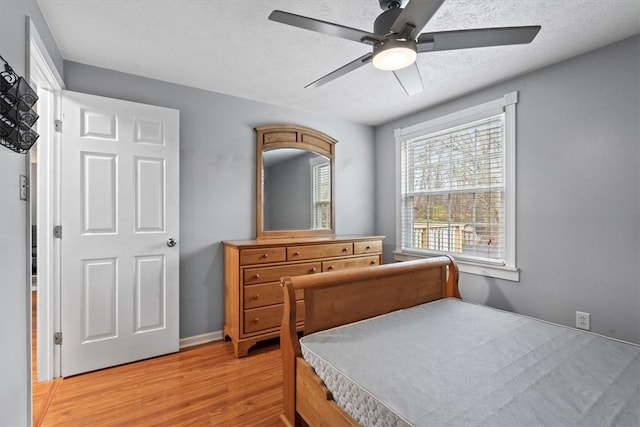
(394, 55)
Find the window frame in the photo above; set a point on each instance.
(506, 105)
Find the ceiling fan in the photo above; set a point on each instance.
(396, 42)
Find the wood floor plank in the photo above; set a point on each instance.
(200, 386)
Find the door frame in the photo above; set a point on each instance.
(41, 69)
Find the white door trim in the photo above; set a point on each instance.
(38, 47)
(43, 71)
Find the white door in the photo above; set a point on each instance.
(119, 193)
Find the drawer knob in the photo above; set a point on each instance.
(256, 296)
(373, 263)
(264, 255)
(345, 249)
(368, 248)
(256, 276)
(313, 269)
(256, 319)
(330, 267)
(296, 253)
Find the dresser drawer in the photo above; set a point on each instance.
(341, 264)
(262, 255)
(367, 247)
(268, 317)
(295, 253)
(265, 294)
(273, 274)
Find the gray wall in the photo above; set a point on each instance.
(15, 302)
(578, 191)
(217, 176)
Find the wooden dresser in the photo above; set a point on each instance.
(253, 296)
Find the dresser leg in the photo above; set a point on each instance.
(241, 347)
(226, 334)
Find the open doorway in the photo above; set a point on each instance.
(42, 214)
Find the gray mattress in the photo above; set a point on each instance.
(453, 363)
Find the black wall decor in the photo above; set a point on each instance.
(17, 115)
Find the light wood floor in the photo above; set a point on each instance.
(200, 386)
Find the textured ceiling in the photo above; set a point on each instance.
(230, 47)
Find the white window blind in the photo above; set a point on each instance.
(321, 182)
(453, 191)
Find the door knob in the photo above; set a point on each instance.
(171, 242)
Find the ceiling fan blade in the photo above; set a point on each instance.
(416, 14)
(353, 65)
(324, 27)
(409, 78)
(482, 37)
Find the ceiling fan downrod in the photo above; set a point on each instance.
(383, 23)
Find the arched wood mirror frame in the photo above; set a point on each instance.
(274, 137)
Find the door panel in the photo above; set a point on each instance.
(99, 305)
(98, 125)
(150, 286)
(99, 194)
(150, 194)
(120, 201)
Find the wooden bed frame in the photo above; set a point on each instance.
(337, 298)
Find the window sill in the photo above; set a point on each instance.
(498, 272)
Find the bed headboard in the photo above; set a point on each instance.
(352, 295)
(336, 298)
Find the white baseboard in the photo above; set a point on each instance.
(200, 339)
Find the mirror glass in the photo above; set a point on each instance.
(296, 189)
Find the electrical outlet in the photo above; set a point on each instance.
(583, 320)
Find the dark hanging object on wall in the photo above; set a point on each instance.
(17, 115)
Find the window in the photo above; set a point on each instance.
(321, 190)
(457, 188)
